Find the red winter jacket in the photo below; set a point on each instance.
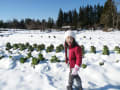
(75, 56)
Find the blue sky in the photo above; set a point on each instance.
(39, 9)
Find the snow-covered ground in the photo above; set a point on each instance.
(54, 76)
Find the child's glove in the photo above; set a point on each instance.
(75, 70)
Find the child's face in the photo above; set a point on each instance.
(69, 40)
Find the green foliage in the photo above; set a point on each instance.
(54, 59)
(29, 55)
(93, 49)
(50, 48)
(40, 57)
(59, 48)
(35, 61)
(21, 47)
(101, 63)
(10, 56)
(30, 48)
(84, 66)
(15, 46)
(27, 44)
(116, 48)
(105, 50)
(40, 47)
(23, 60)
(109, 14)
(8, 46)
(35, 46)
(118, 51)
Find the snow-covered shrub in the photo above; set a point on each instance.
(116, 48)
(8, 46)
(59, 48)
(93, 49)
(105, 50)
(101, 63)
(54, 59)
(35, 61)
(22, 47)
(40, 57)
(50, 48)
(83, 50)
(84, 66)
(118, 51)
(27, 44)
(35, 46)
(29, 55)
(40, 47)
(15, 46)
(23, 60)
(30, 48)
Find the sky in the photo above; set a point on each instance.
(39, 9)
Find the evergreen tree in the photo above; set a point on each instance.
(70, 17)
(50, 23)
(109, 13)
(1, 24)
(75, 18)
(60, 19)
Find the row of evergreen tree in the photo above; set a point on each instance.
(86, 17)
(28, 24)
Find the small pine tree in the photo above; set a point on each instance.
(27, 44)
(105, 50)
(93, 49)
(23, 60)
(40, 47)
(50, 48)
(118, 51)
(54, 59)
(15, 46)
(116, 48)
(29, 55)
(84, 66)
(8, 46)
(40, 57)
(59, 48)
(30, 48)
(22, 47)
(35, 61)
(34, 45)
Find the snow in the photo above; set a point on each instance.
(54, 76)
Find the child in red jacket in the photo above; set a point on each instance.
(73, 55)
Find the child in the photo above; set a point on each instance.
(73, 56)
